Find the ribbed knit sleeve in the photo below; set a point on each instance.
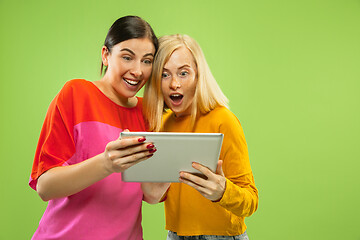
(241, 195)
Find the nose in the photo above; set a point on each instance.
(175, 83)
(136, 70)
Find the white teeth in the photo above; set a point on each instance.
(131, 82)
(176, 95)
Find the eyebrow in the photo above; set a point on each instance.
(130, 51)
(185, 65)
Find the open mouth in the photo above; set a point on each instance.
(131, 82)
(176, 98)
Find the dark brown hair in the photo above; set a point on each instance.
(126, 28)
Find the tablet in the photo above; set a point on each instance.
(175, 153)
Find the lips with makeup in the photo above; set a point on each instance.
(132, 85)
(131, 82)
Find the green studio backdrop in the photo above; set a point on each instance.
(291, 70)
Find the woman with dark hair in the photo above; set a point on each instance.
(80, 157)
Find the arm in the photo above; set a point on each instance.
(234, 187)
(238, 199)
(51, 176)
(67, 180)
(213, 187)
(154, 192)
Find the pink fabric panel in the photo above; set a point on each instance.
(109, 209)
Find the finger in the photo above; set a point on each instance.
(202, 190)
(140, 138)
(124, 143)
(147, 146)
(219, 168)
(199, 188)
(130, 164)
(205, 170)
(133, 158)
(129, 151)
(125, 130)
(195, 179)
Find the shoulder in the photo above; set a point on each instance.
(228, 124)
(76, 84)
(223, 120)
(222, 115)
(76, 88)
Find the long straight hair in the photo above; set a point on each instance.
(208, 94)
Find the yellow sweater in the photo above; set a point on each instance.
(189, 213)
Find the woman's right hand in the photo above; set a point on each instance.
(118, 156)
(126, 152)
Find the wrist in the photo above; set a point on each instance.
(223, 190)
(106, 164)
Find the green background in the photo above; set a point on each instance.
(291, 70)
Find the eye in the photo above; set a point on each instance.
(147, 61)
(164, 75)
(126, 58)
(184, 73)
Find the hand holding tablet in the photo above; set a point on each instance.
(175, 153)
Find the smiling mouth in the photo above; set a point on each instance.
(131, 82)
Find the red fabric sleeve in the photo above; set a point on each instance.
(56, 144)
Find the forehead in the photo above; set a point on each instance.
(140, 45)
(180, 57)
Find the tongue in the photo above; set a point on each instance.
(176, 99)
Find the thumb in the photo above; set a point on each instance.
(219, 168)
(125, 130)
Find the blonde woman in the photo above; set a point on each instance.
(212, 208)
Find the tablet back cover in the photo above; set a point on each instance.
(175, 153)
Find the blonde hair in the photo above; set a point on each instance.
(208, 94)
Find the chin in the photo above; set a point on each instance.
(130, 94)
(177, 113)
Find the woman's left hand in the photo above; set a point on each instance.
(213, 187)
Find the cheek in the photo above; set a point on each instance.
(191, 87)
(116, 68)
(190, 98)
(163, 87)
(147, 72)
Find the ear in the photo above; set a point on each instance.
(104, 55)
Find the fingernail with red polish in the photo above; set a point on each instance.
(142, 139)
(152, 150)
(150, 146)
(150, 155)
